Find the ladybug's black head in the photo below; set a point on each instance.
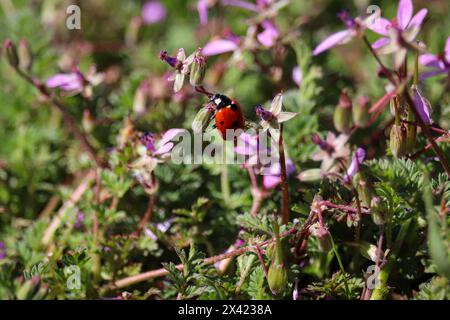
(220, 100)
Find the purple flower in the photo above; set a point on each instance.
(153, 12)
(297, 75)
(358, 158)
(164, 145)
(2, 251)
(219, 46)
(354, 28)
(202, 8)
(440, 63)
(396, 32)
(73, 81)
(272, 175)
(422, 106)
(248, 148)
(270, 34)
(270, 119)
(295, 292)
(79, 221)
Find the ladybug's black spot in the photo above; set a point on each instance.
(234, 107)
(222, 123)
(235, 123)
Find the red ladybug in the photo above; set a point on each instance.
(228, 115)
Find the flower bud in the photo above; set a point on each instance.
(323, 236)
(361, 114)
(87, 121)
(397, 141)
(277, 277)
(11, 53)
(198, 69)
(140, 98)
(343, 113)
(311, 175)
(365, 190)
(378, 211)
(202, 119)
(25, 55)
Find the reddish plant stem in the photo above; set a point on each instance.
(284, 184)
(208, 261)
(150, 207)
(68, 119)
(410, 101)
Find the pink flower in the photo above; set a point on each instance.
(270, 34)
(202, 8)
(354, 28)
(358, 158)
(440, 63)
(272, 175)
(422, 105)
(219, 46)
(396, 32)
(73, 81)
(153, 12)
(297, 75)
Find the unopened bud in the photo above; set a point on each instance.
(140, 99)
(277, 277)
(343, 113)
(88, 121)
(397, 141)
(202, 119)
(198, 69)
(361, 114)
(378, 211)
(365, 190)
(323, 236)
(11, 53)
(25, 55)
(311, 175)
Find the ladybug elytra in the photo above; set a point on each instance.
(228, 115)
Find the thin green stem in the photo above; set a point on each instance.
(341, 266)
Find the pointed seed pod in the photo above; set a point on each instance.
(25, 55)
(397, 141)
(198, 69)
(11, 53)
(343, 113)
(361, 114)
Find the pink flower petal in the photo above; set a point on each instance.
(65, 81)
(447, 50)
(219, 46)
(153, 12)
(164, 149)
(429, 60)
(202, 8)
(241, 4)
(357, 159)
(297, 75)
(380, 26)
(404, 13)
(417, 20)
(169, 135)
(422, 106)
(381, 43)
(269, 35)
(271, 182)
(429, 74)
(333, 40)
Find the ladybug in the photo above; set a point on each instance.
(228, 114)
